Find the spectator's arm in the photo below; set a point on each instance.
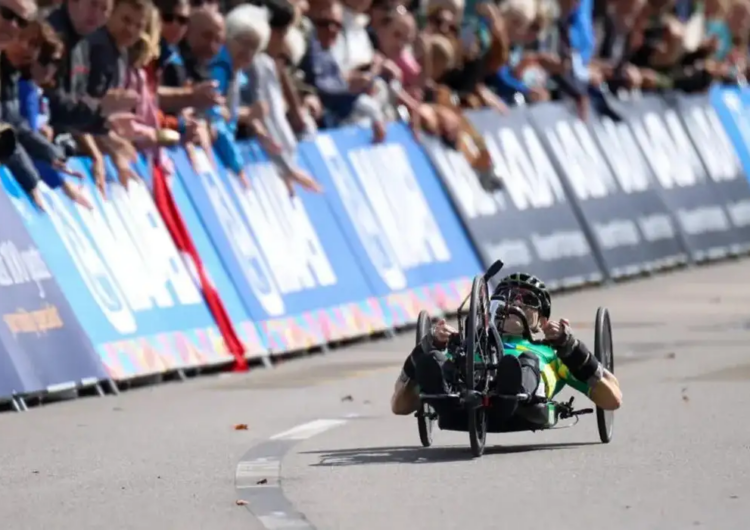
(329, 97)
(99, 81)
(296, 115)
(23, 170)
(28, 101)
(505, 78)
(75, 114)
(174, 99)
(37, 146)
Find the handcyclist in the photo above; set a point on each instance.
(526, 368)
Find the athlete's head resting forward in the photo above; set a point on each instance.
(525, 368)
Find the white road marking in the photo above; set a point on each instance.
(281, 520)
(308, 430)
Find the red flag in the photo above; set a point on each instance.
(172, 218)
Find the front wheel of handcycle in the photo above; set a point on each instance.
(477, 331)
(425, 415)
(604, 353)
(425, 423)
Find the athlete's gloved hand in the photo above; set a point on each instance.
(441, 334)
(558, 333)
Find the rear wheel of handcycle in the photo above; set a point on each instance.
(604, 353)
(477, 329)
(425, 414)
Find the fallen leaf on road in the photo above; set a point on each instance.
(240, 502)
(240, 427)
(347, 398)
(733, 497)
(262, 481)
(366, 402)
(685, 397)
(671, 355)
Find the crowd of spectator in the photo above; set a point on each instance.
(125, 78)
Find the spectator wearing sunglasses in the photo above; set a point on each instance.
(343, 103)
(16, 60)
(14, 16)
(70, 108)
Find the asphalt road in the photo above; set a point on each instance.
(165, 457)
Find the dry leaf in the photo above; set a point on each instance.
(671, 355)
(347, 398)
(262, 481)
(240, 502)
(240, 427)
(685, 398)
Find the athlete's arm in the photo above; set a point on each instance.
(405, 399)
(606, 393)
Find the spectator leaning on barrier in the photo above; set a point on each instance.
(264, 86)
(247, 33)
(342, 103)
(32, 145)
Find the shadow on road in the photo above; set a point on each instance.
(422, 455)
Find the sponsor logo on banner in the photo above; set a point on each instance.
(124, 254)
(287, 239)
(675, 164)
(590, 178)
(632, 172)
(40, 338)
(243, 245)
(532, 183)
(719, 156)
(474, 202)
(387, 208)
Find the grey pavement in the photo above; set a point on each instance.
(164, 457)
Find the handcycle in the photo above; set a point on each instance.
(475, 406)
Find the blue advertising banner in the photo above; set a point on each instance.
(394, 213)
(125, 280)
(39, 330)
(243, 324)
(722, 136)
(628, 223)
(530, 224)
(683, 184)
(287, 256)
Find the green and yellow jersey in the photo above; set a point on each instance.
(555, 375)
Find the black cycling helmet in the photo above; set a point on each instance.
(522, 280)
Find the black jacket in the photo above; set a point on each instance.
(31, 145)
(70, 111)
(107, 64)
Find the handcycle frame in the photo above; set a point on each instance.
(473, 406)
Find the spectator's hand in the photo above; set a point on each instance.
(75, 194)
(360, 82)
(125, 172)
(62, 167)
(537, 93)
(48, 132)
(206, 95)
(124, 124)
(649, 78)
(118, 100)
(314, 106)
(99, 171)
(378, 132)
(390, 71)
(243, 179)
(271, 146)
(582, 107)
(633, 76)
(36, 198)
(297, 176)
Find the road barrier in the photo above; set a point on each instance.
(107, 296)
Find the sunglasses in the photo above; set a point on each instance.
(331, 25)
(11, 16)
(169, 18)
(523, 298)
